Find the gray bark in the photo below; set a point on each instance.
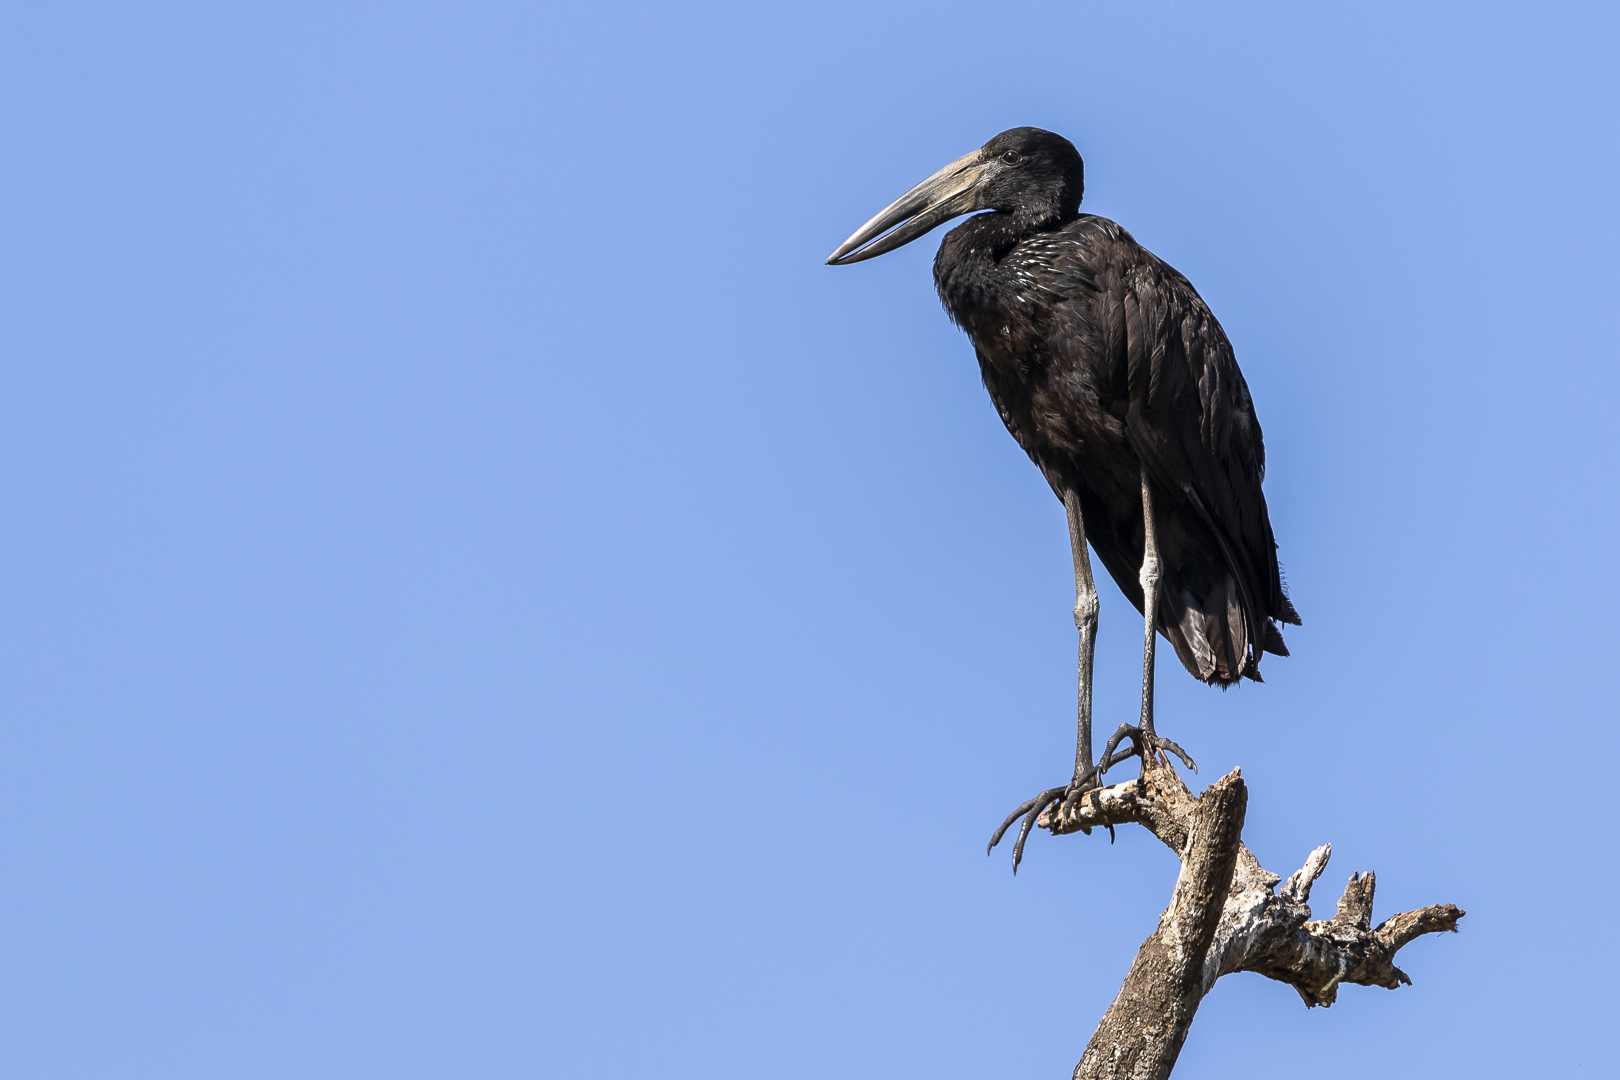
(1225, 915)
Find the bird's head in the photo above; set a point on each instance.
(1033, 175)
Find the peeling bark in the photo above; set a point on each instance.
(1227, 914)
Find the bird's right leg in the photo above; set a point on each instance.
(1146, 742)
(1086, 774)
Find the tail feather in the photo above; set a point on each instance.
(1218, 623)
(1185, 631)
(1209, 633)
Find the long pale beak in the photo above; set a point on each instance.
(951, 192)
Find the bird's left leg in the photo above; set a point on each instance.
(1147, 744)
(1086, 775)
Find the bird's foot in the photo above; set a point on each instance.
(1063, 797)
(1142, 745)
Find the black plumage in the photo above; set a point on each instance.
(1100, 357)
(1118, 382)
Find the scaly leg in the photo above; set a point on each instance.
(1149, 579)
(1085, 621)
(1086, 774)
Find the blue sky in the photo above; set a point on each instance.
(482, 599)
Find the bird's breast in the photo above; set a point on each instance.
(1055, 405)
(1030, 305)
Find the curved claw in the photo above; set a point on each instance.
(1109, 758)
(1029, 811)
(1166, 744)
(1140, 748)
(1042, 801)
(1023, 809)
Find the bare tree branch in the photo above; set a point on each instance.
(1225, 915)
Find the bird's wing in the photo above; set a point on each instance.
(1191, 421)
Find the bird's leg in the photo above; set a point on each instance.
(1085, 621)
(1150, 605)
(1086, 774)
(1147, 744)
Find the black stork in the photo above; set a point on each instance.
(1114, 377)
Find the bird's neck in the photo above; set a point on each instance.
(967, 268)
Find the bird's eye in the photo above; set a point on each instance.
(1012, 157)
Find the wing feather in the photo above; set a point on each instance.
(1192, 423)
